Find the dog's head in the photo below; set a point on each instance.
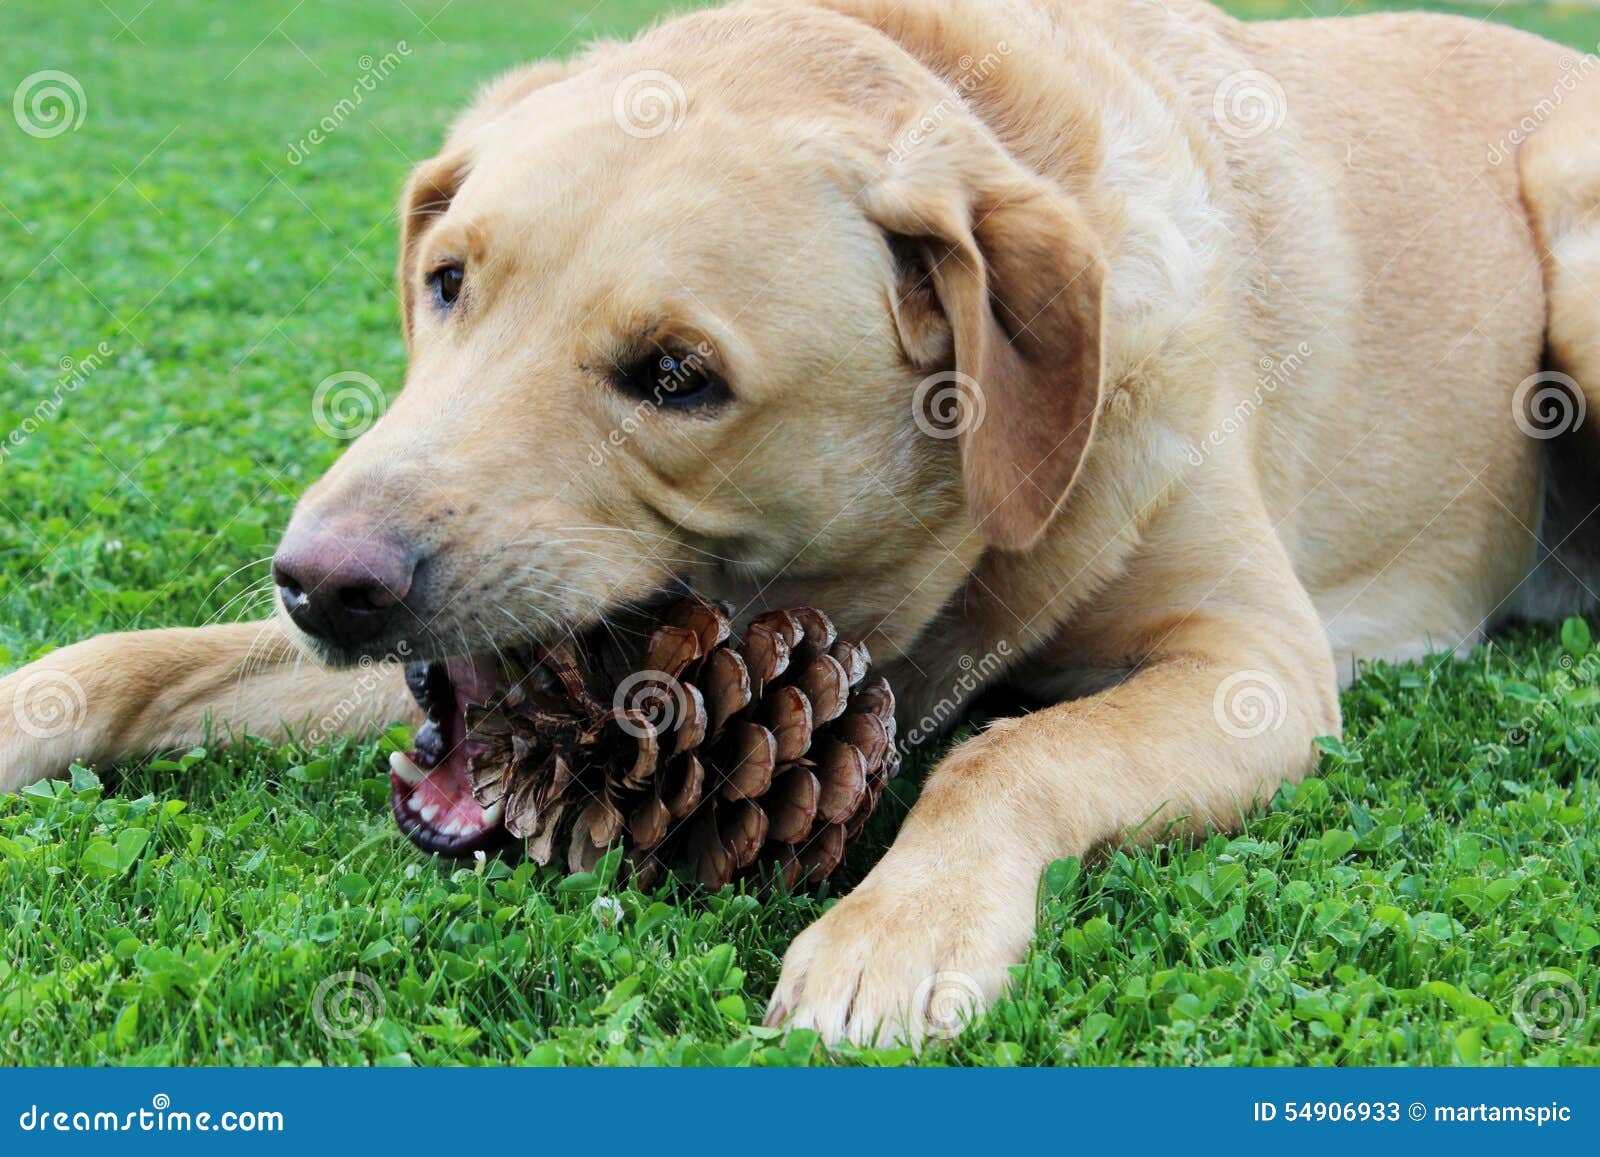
(708, 306)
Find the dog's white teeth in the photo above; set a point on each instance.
(409, 773)
(493, 815)
(454, 829)
(429, 812)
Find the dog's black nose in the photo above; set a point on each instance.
(342, 585)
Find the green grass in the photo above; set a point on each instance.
(1389, 911)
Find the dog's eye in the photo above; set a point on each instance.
(673, 379)
(446, 283)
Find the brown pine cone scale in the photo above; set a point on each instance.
(759, 755)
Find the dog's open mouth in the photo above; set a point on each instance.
(430, 788)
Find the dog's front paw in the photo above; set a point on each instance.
(44, 717)
(902, 963)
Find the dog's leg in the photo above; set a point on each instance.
(126, 695)
(1232, 680)
(1560, 171)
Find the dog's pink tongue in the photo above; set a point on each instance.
(475, 679)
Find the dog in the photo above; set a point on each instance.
(1151, 363)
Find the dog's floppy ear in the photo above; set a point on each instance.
(427, 195)
(1018, 276)
(434, 183)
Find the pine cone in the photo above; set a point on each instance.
(738, 756)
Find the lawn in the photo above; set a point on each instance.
(181, 270)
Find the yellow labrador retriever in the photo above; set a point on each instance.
(1152, 363)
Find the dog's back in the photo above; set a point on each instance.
(1476, 362)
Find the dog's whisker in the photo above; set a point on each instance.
(256, 596)
(255, 656)
(237, 570)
